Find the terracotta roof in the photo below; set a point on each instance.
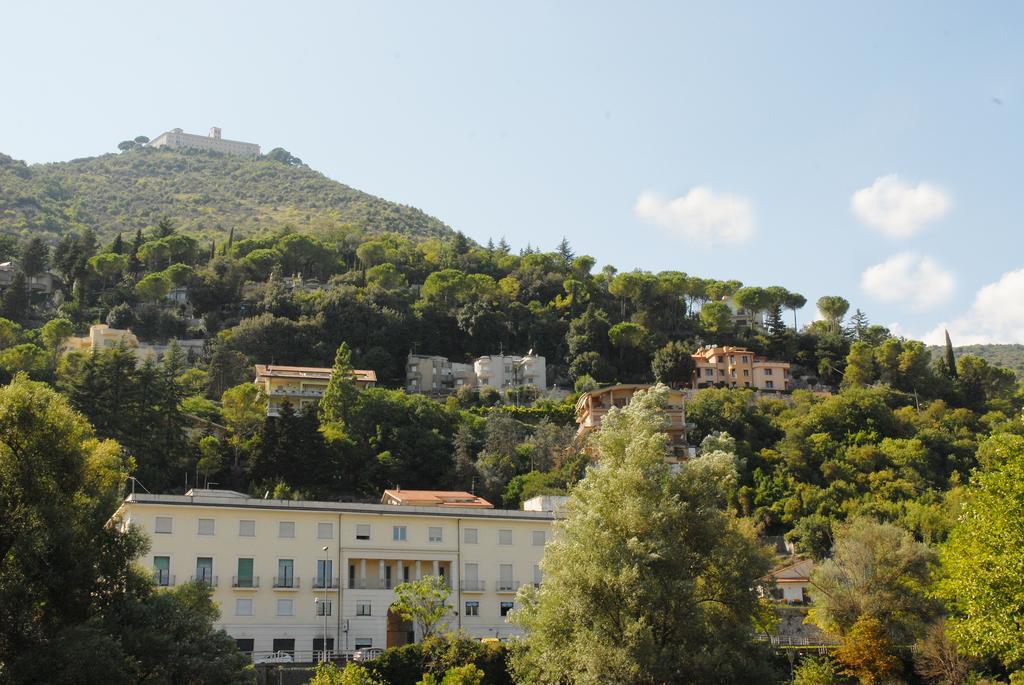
(797, 572)
(434, 498)
(280, 371)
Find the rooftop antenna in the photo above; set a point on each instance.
(135, 480)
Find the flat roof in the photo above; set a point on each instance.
(335, 507)
(437, 498)
(281, 371)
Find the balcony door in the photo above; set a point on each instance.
(285, 572)
(204, 569)
(245, 573)
(505, 577)
(324, 572)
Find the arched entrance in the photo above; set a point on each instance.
(400, 632)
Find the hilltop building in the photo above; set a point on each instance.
(102, 337)
(789, 583)
(592, 407)
(297, 577)
(45, 282)
(176, 139)
(738, 367)
(300, 386)
(435, 374)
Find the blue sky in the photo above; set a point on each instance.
(725, 140)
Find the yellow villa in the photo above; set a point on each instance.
(738, 367)
(300, 386)
(294, 577)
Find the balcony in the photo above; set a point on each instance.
(286, 583)
(206, 578)
(291, 392)
(472, 585)
(245, 582)
(163, 578)
(325, 583)
(506, 586)
(371, 584)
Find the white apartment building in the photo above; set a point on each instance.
(176, 139)
(509, 371)
(289, 574)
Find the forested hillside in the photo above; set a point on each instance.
(207, 194)
(1007, 356)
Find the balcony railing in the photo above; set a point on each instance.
(472, 585)
(506, 586)
(371, 584)
(297, 393)
(245, 582)
(206, 578)
(163, 578)
(286, 582)
(322, 583)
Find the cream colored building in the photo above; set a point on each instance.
(738, 367)
(593, 406)
(274, 580)
(176, 139)
(431, 373)
(103, 337)
(300, 386)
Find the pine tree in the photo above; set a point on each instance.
(117, 247)
(565, 253)
(950, 358)
(503, 246)
(342, 392)
(858, 324)
(16, 303)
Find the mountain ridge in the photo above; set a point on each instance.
(205, 194)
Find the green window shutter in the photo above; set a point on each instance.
(245, 569)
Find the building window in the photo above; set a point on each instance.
(470, 536)
(539, 538)
(364, 643)
(163, 524)
(323, 607)
(286, 529)
(206, 526)
(732, 359)
(247, 528)
(709, 372)
(325, 531)
(434, 534)
(363, 609)
(285, 607)
(245, 577)
(721, 372)
(769, 384)
(204, 570)
(732, 372)
(745, 359)
(243, 607)
(285, 573)
(504, 537)
(506, 607)
(362, 531)
(472, 608)
(746, 372)
(324, 573)
(245, 645)
(398, 533)
(767, 372)
(162, 571)
(286, 645)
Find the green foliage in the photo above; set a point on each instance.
(815, 671)
(868, 653)
(205, 192)
(352, 674)
(636, 585)
(673, 365)
(981, 583)
(424, 602)
(342, 393)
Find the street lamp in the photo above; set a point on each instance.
(327, 582)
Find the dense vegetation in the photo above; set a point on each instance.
(867, 463)
(1008, 356)
(209, 194)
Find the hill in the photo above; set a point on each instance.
(1009, 356)
(205, 194)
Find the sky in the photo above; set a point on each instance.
(872, 150)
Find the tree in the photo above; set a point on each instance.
(868, 654)
(877, 571)
(647, 580)
(716, 318)
(352, 674)
(126, 145)
(424, 602)
(342, 393)
(55, 334)
(859, 324)
(153, 288)
(950, 358)
(981, 583)
(15, 303)
(937, 658)
(833, 308)
(35, 256)
(673, 365)
(815, 671)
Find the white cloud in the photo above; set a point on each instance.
(996, 316)
(897, 209)
(917, 280)
(701, 216)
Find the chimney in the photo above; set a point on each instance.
(215, 132)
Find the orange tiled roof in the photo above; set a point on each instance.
(434, 498)
(280, 371)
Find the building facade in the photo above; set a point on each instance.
(431, 373)
(293, 576)
(300, 386)
(592, 407)
(176, 139)
(738, 367)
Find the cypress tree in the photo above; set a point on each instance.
(950, 358)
